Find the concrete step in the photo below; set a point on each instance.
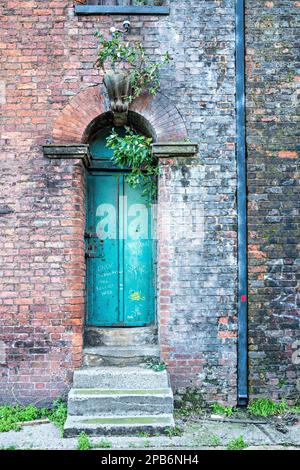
(117, 425)
(140, 336)
(119, 356)
(120, 378)
(95, 401)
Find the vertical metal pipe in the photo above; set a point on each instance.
(241, 206)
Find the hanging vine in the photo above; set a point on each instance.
(133, 151)
(123, 59)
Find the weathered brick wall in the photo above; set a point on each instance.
(48, 56)
(197, 276)
(273, 181)
(199, 338)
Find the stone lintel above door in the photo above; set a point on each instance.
(169, 150)
(68, 151)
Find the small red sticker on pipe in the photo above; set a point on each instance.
(243, 298)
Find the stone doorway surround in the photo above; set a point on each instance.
(72, 128)
(169, 154)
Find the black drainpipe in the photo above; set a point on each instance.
(241, 206)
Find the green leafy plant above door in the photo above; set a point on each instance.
(115, 55)
(128, 70)
(133, 151)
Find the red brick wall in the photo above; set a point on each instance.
(49, 56)
(42, 268)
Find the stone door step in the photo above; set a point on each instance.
(117, 425)
(116, 400)
(120, 402)
(120, 377)
(112, 392)
(136, 336)
(119, 356)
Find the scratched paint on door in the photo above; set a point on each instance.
(120, 287)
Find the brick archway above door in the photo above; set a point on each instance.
(75, 118)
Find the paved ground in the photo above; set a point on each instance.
(205, 433)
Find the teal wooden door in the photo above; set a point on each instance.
(119, 248)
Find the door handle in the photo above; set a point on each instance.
(89, 249)
(87, 235)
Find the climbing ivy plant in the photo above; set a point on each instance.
(118, 55)
(133, 151)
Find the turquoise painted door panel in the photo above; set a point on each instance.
(138, 259)
(119, 247)
(102, 251)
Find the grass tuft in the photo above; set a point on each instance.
(237, 444)
(58, 414)
(12, 415)
(222, 410)
(174, 432)
(265, 407)
(83, 442)
(155, 364)
(213, 440)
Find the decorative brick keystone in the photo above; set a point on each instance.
(71, 151)
(174, 149)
